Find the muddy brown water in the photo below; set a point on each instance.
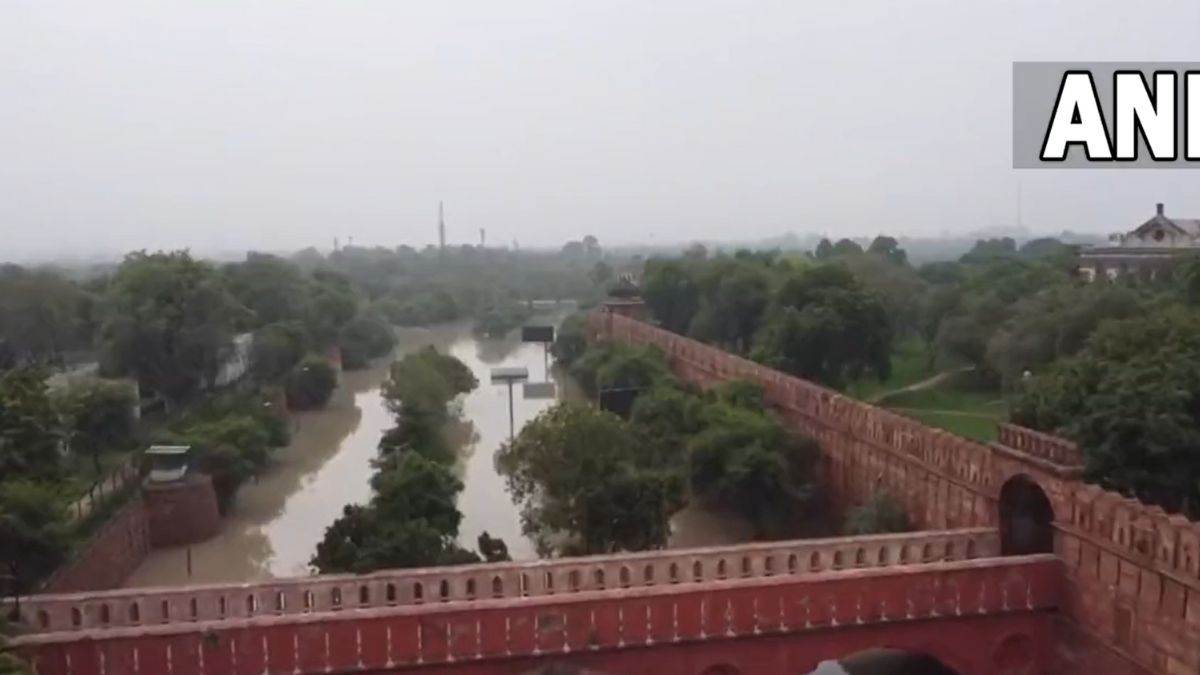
(276, 521)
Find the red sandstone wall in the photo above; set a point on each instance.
(980, 617)
(109, 557)
(182, 513)
(1133, 571)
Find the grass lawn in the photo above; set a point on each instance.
(978, 428)
(910, 364)
(954, 405)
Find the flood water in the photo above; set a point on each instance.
(274, 525)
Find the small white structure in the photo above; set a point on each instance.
(170, 462)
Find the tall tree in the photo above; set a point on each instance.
(30, 434)
(671, 294)
(1129, 398)
(33, 530)
(173, 322)
(579, 474)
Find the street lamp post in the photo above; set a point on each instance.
(509, 376)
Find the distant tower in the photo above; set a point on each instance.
(335, 243)
(441, 227)
(482, 237)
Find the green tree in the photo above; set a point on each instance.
(231, 442)
(619, 366)
(277, 348)
(412, 521)
(275, 290)
(888, 249)
(98, 414)
(173, 322)
(29, 430)
(570, 341)
(745, 460)
(34, 530)
(332, 303)
(365, 338)
(418, 390)
(580, 478)
(732, 314)
(311, 383)
(1129, 400)
(987, 250)
(671, 294)
(826, 327)
(43, 316)
(824, 250)
(846, 247)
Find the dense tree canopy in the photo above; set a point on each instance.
(33, 530)
(412, 520)
(584, 486)
(29, 428)
(311, 383)
(173, 322)
(1131, 398)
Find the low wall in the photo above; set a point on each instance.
(307, 595)
(980, 617)
(109, 556)
(182, 512)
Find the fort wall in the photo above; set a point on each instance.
(561, 577)
(1133, 571)
(109, 556)
(978, 616)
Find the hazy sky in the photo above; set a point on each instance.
(280, 124)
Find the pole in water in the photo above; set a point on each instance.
(508, 376)
(189, 562)
(511, 419)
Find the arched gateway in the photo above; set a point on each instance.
(1026, 518)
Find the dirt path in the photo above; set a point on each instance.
(923, 384)
(938, 411)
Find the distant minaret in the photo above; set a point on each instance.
(482, 237)
(441, 227)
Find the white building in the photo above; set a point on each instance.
(1149, 250)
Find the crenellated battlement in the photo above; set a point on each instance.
(468, 583)
(978, 616)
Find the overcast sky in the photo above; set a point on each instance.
(281, 124)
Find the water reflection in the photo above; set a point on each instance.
(275, 523)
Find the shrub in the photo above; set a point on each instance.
(364, 338)
(311, 383)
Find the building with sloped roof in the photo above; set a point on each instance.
(1148, 251)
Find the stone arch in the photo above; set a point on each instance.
(1026, 518)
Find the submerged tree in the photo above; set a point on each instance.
(584, 487)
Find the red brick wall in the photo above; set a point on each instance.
(1133, 571)
(183, 512)
(979, 617)
(111, 555)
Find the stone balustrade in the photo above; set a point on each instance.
(331, 593)
(1044, 446)
(930, 608)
